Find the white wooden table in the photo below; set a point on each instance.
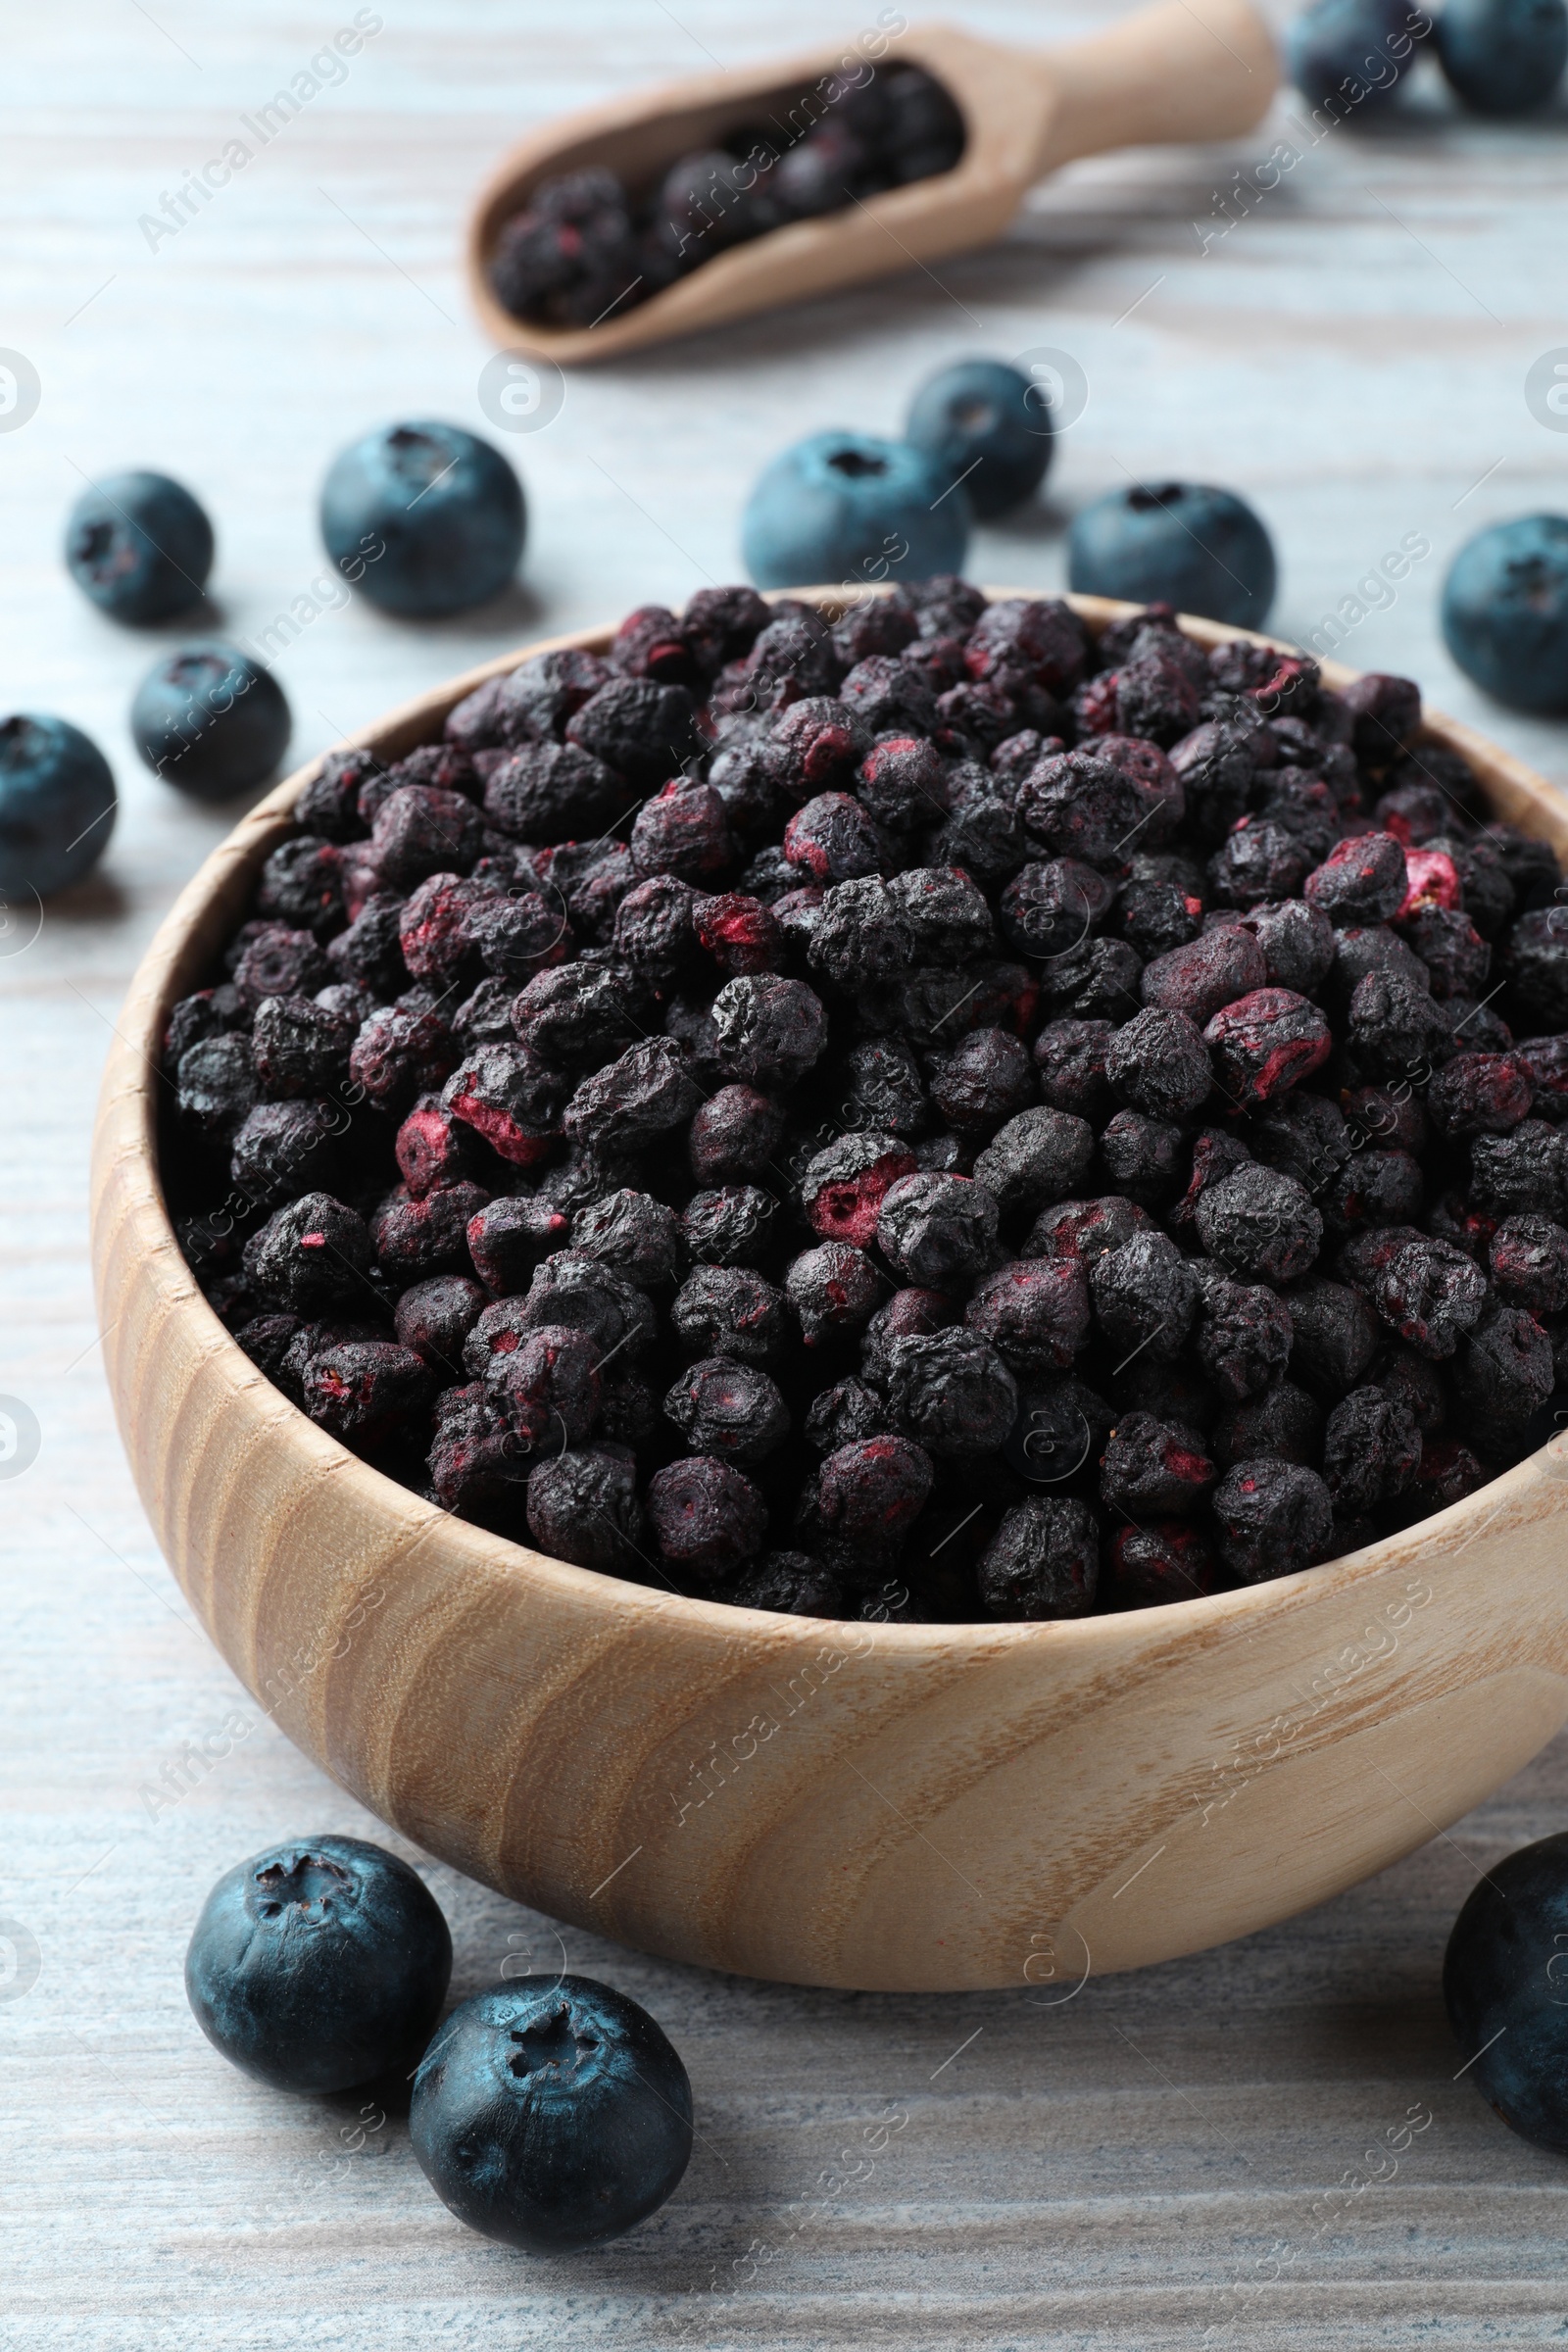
(1149, 2163)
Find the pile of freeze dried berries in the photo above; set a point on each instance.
(585, 246)
(929, 1117)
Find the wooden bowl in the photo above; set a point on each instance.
(888, 1807)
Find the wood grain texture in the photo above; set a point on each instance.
(577, 1741)
(1160, 2161)
(1188, 70)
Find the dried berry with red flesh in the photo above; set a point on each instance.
(511, 1099)
(730, 1310)
(1214, 1156)
(821, 743)
(1260, 1224)
(1145, 1295)
(435, 1148)
(429, 1236)
(1034, 1312)
(834, 839)
(1426, 1291)
(1149, 1567)
(1265, 1042)
(434, 1318)
(683, 831)
(1362, 880)
(420, 830)
(842, 1187)
(1479, 1093)
(1273, 1518)
(311, 1255)
(362, 1390)
(651, 643)
(740, 933)
(583, 1507)
(1155, 1468)
(904, 784)
(834, 1290)
(723, 624)
(547, 1388)
(908, 1313)
(934, 1229)
(868, 1495)
(398, 1057)
(1043, 1562)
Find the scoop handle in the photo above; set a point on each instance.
(1185, 70)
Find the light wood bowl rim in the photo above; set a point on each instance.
(128, 1131)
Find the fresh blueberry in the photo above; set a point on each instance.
(1502, 1989)
(1350, 56)
(982, 423)
(1202, 550)
(425, 518)
(846, 507)
(552, 2116)
(211, 719)
(57, 805)
(140, 547)
(1506, 612)
(1503, 57)
(318, 1964)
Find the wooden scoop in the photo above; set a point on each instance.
(1186, 69)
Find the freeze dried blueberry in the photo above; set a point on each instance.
(1477, 1094)
(842, 1187)
(1448, 1472)
(946, 916)
(1426, 1291)
(420, 830)
(217, 1085)
(1070, 1056)
(1158, 1063)
(1260, 1224)
(1080, 806)
(511, 1097)
(282, 1149)
(635, 1098)
(1362, 880)
(300, 1046)
(642, 730)
(478, 1465)
(1244, 1338)
(1154, 1467)
(508, 1238)
(361, 1391)
(1524, 1171)
(1041, 1155)
(868, 1495)
(572, 1289)
(986, 1079)
(790, 1584)
(1529, 1261)
(934, 1229)
(768, 1031)
(1273, 1517)
(278, 962)
(371, 950)
(1503, 1370)
(1546, 1060)
(1215, 1154)
(1334, 1333)
(1297, 943)
(734, 1225)
(1093, 981)
(859, 934)
(1051, 906)
(430, 1236)
(740, 933)
(312, 1253)
(582, 1507)
(1265, 1042)
(1034, 1312)
(833, 838)
(398, 1057)
(734, 1134)
(1044, 1561)
(844, 1414)
(1145, 1295)
(547, 1388)
(683, 830)
(1208, 972)
(548, 792)
(1145, 1158)
(653, 930)
(1150, 1567)
(908, 1313)
(1458, 958)
(982, 834)
(731, 1411)
(301, 884)
(1259, 860)
(633, 1233)
(890, 697)
(885, 1092)
(732, 1311)
(951, 1392)
(1284, 1424)
(904, 784)
(1371, 1450)
(575, 1015)
(434, 1318)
